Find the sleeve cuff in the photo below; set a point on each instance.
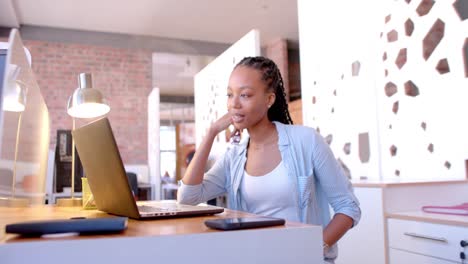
(355, 215)
(188, 194)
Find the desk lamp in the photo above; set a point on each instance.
(14, 101)
(85, 102)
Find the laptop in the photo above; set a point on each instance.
(108, 181)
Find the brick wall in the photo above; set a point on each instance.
(122, 75)
(288, 64)
(294, 74)
(277, 51)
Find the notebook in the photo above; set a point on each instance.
(108, 181)
(460, 209)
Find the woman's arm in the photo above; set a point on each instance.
(338, 190)
(197, 186)
(337, 227)
(196, 169)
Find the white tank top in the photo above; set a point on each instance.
(270, 194)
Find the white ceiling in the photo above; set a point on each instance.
(204, 20)
(173, 73)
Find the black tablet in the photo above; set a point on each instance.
(77, 225)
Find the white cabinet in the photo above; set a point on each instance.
(434, 241)
(400, 257)
(365, 242)
(368, 241)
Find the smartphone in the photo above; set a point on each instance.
(243, 222)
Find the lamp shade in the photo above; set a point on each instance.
(14, 99)
(86, 102)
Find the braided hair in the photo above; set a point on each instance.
(272, 76)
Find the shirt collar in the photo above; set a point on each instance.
(283, 140)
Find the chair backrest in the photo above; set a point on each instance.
(141, 170)
(6, 177)
(133, 181)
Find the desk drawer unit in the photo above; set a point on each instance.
(428, 239)
(401, 257)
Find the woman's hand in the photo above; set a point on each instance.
(221, 124)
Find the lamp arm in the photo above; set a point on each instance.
(73, 164)
(13, 184)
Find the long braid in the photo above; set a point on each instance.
(272, 76)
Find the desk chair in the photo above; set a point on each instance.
(6, 177)
(133, 181)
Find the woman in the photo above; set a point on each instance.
(282, 170)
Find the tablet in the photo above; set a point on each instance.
(74, 225)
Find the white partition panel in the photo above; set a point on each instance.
(424, 133)
(153, 143)
(338, 58)
(387, 87)
(211, 84)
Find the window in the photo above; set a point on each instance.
(168, 150)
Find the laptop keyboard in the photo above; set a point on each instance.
(152, 208)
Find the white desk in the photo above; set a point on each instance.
(178, 240)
